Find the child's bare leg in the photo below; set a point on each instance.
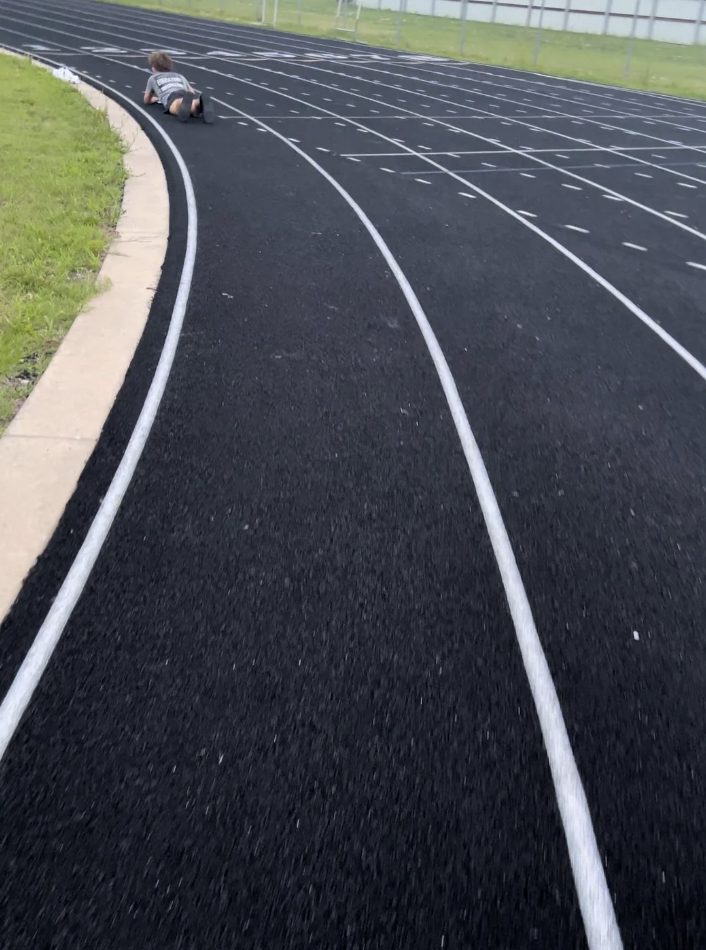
(196, 107)
(175, 106)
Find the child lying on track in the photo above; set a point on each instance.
(174, 92)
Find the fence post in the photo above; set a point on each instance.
(433, 7)
(606, 18)
(529, 13)
(494, 11)
(538, 39)
(357, 17)
(299, 12)
(631, 41)
(699, 21)
(274, 14)
(398, 37)
(464, 17)
(653, 14)
(567, 11)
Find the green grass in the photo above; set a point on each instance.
(60, 192)
(658, 67)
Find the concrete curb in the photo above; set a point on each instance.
(48, 443)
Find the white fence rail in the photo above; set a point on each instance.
(671, 21)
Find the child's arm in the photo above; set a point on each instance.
(149, 97)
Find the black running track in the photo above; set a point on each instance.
(289, 709)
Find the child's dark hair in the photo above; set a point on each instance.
(161, 61)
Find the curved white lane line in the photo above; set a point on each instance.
(667, 338)
(594, 897)
(508, 149)
(320, 44)
(30, 672)
(286, 44)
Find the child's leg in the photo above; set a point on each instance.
(175, 106)
(206, 109)
(196, 107)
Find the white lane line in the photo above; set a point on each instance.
(466, 194)
(677, 214)
(422, 181)
(527, 214)
(242, 123)
(572, 187)
(694, 264)
(635, 247)
(561, 156)
(349, 157)
(35, 662)
(640, 314)
(685, 184)
(591, 885)
(390, 170)
(574, 227)
(612, 198)
(643, 175)
(319, 148)
(527, 175)
(488, 165)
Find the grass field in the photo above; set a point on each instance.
(60, 194)
(659, 67)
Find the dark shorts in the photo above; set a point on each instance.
(173, 96)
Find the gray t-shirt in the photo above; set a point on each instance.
(163, 85)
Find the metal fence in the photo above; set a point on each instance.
(604, 40)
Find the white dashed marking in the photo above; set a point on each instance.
(685, 184)
(677, 214)
(466, 195)
(635, 247)
(527, 175)
(643, 175)
(422, 181)
(561, 156)
(612, 198)
(390, 170)
(349, 157)
(573, 227)
(320, 149)
(488, 165)
(572, 187)
(694, 264)
(527, 214)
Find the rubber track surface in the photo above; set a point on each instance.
(290, 709)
